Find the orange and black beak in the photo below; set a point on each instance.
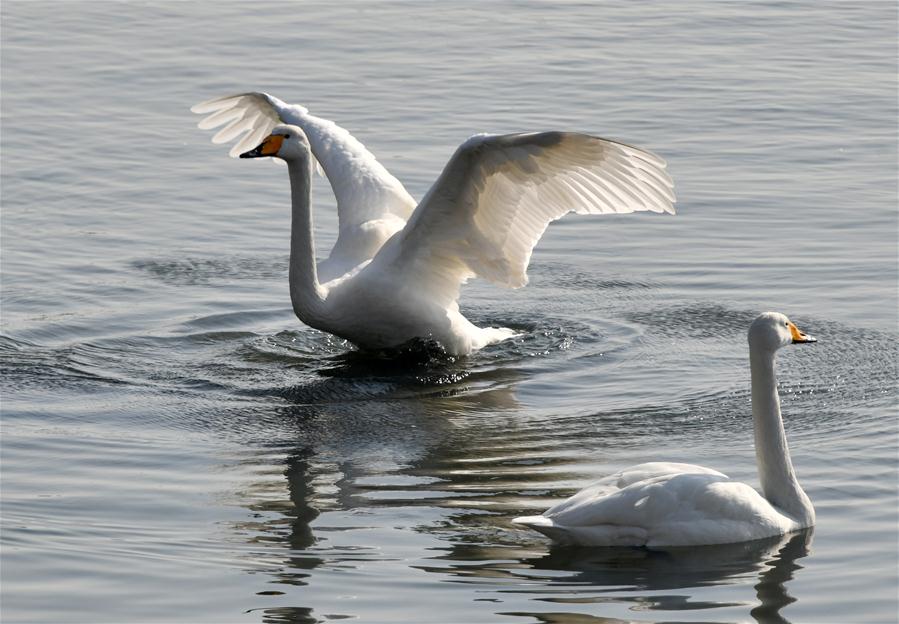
(268, 147)
(799, 337)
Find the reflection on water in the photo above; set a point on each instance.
(481, 478)
(621, 571)
(287, 615)
(770, 589)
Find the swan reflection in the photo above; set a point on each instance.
(349, 455)
(572, 577)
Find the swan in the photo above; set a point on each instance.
(396, 269)
(669, 504)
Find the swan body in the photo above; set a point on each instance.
(672, 504)
(397, 267)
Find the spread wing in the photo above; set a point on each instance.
(497, 194)
(364, 189)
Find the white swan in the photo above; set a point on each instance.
(388, 281)
(667, 504)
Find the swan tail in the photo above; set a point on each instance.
(533, 521)
(597, 535)
(544, 525)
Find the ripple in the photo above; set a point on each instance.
(571, 277)
(697, 321)
(26, 366)
(201, 271)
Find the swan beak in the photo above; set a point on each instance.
(268, 147)
(799, 337)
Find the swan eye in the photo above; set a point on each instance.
(286, 136)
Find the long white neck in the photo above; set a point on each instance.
(779, 483)
(306, 294)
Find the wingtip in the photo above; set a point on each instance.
(224, 102)
(210, 105)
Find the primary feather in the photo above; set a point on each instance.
(497, 195)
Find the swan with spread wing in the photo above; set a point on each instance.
(396, 269)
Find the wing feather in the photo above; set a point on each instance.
(364, 189)
(235, 128)
(223, 116)
(497, 195)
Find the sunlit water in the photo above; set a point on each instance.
(177, 447)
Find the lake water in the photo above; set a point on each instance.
(177, 447)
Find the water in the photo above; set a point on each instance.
(177, 447)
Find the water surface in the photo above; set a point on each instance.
(177, 447)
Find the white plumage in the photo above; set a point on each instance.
(671, 504)
(387, 281)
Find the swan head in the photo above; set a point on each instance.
(772, 330)
(285, 142)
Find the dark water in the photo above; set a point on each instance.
(176, 447)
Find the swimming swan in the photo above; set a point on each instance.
(396, 269)
(667, 504)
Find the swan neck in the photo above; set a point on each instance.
(778, 479)
(306, 294)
